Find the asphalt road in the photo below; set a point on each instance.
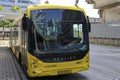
(106, 61)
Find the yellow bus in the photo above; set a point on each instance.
(51, 40)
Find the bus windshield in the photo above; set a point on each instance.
(59, 29)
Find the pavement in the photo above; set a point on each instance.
(8, 70)
(9, 66)
(106, 60)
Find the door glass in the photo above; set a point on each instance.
(78, 31)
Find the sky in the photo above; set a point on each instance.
(87, 7)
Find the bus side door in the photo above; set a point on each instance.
(24, 48)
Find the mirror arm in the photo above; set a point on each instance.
(89, 24)
(25, 22)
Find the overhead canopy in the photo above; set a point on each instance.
(9, 15)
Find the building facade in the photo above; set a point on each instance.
(12, 8)
(109, 10)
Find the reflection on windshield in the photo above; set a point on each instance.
(58, 29)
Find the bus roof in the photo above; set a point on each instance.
(51, 6)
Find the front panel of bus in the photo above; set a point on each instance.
(58, 41)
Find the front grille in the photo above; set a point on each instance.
(61, 57)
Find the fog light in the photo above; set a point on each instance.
(35, 66)
(33, 62)
(87, 59)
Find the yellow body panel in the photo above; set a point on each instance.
(38, 68)
(16, 53)
(13, 49)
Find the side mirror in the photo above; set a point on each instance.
(89, 24)
(25, 22)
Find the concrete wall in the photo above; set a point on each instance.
(105, 41)
(100, 3)
(109, 10)
(105, 33)
(110, 15)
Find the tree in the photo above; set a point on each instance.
(6, 23)
(1, 23)
(1, 8)
(15, 8)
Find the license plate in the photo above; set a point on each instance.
(64, 72)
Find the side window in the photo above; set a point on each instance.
(14, 34)
(15, 29)
(24, 38)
